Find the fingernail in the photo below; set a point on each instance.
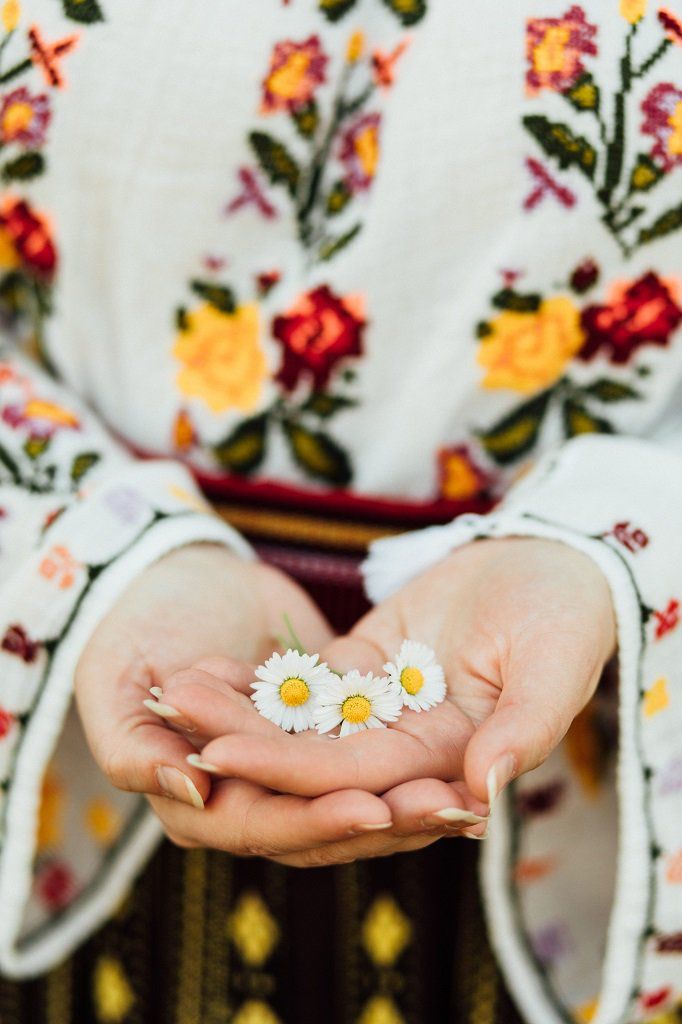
(373, 828)
(156, 691)
(178, 786)
(170, 714)
(204, 766)
(499, 776)
(453, 816)
(472, 835)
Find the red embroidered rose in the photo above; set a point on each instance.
(320, 329)
(24, 118)
(6, 722)
(296, 70)
(55, 884)
(16, 641)
(555, 47)
(663, 121)
(642, 313)
(29, 235)
(672, 25)
(360, 152)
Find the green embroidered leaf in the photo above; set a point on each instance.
(606, 390)
(324, 405)
(558, 141)
(244, 449)
(181, 321)
(334, 10)
(515, 434)
(217, 295)
(332, 246)
(10, 465)
(276, 161)
(35, 446)
(408, 11)
(584, 94)
(28, 165)
(82, 464)
(666, 224)
(645, 174)
(338, 198)
(516, 302)
(306, 119)
(318, 455)
(577, 420)
(83, 10)
(483, 329)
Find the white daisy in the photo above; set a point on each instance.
(417, 674)
(287, 687)
(357, 702)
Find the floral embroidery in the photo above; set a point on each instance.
(60, 565)
(557, 51)
(409, 12)
(460, 477)
(632, 538)
(296, 69)
(16, 641)
(668, 619)
(529, 346)
(55, 884)
(657, 699)
(6, 722)
(24, 118)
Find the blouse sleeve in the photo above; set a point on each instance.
(79, 519)
(582, 870)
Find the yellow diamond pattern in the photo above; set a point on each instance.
(255, 1012)
(253, 930)
(381, 1010)
(385, 931)
(112, 993)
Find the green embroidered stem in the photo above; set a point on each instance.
(18, 69)
(616, 150)
(652, 59)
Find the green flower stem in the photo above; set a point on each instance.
(659, 52)
(18, 69)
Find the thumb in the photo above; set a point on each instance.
(544, 691)
(136, 751)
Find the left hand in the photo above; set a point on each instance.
(523, 628)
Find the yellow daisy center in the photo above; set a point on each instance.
(356, 710)
(294, 692)
(412, 680)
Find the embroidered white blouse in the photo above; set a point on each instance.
(398, 249)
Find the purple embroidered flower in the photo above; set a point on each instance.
(663, 121)
(127, 504)
(670, 780)
(550, 943)
(24, 117)
(360, 152)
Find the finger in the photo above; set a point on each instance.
(354, 652)
(375, 760)
(210, 706)
(429, 803)
(246, 820)
(133, 748)
(360, 848)
(548, 684)
(237, 674)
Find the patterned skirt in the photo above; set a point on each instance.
(205, 938)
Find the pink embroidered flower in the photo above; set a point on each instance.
(554, 49)
(16, 641)
(663, 121)
(672, 25)
(55, 884)
(27, 235)
(43, 418)
(6, 722)
(320, 329)
(360, 152)
(642, 313)
(296, 70)
(24, 117)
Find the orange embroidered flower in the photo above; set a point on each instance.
(29, 238)
(384, 64)
(319, 330)
(528, 351)
(24, 118)
(672, 25)
(555, 47)
(223, 362)
(60, 565)
(360, 152)
(296, 70)
(11, 12)
(184, 434)
(460, 477)
(633, 10)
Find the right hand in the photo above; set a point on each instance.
(194, 608)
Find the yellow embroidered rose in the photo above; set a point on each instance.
(528, 351)
(223, 362)
(11, 12)
(633, 10)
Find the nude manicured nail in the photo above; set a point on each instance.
(156, 691)
(472, 835)
(453, 816)
(499, 776)
(204, 766)
(178, 786)
(170, 714)
(373, 828)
